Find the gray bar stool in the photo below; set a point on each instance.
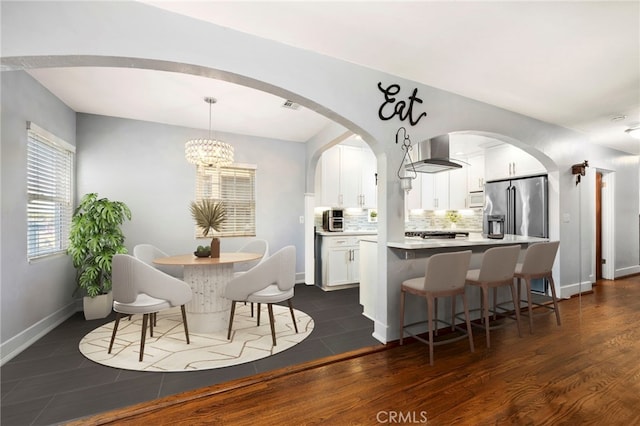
(537, 263)
(497, 270)
(444, 276)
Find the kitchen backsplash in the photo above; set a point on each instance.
(355, 219)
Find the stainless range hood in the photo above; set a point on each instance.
(434, 156)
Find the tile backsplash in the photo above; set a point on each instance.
(357, 219)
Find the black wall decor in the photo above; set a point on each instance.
(390, 108)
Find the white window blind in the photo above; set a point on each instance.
(235, 187)
(49, 192)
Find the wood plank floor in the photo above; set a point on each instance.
(586, 371)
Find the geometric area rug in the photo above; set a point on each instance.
(168, 351)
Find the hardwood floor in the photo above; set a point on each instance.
(586, 371)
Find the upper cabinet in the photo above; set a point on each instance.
(475, 174)
(507, 161)
(347, 177)
(439, 191)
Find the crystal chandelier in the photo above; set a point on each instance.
(208, 152)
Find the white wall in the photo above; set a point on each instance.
(84, 35)
(143, 164)
(35, 296)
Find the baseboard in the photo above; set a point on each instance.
(624, 272)
(299, 277)
(380, 332)
(567, 291)
(21, 341)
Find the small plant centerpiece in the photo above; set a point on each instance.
(94, 238)
(453, 217)
(209, 215)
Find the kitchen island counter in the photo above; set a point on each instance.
(473, 240)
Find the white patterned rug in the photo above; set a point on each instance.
(167, 350)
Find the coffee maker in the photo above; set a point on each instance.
(495, 226)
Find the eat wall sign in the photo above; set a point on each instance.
(403, 109)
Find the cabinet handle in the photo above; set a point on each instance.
(340, 199)
(514, 168)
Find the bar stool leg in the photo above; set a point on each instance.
(402, 294)
(466, 317)
(527, 282)
(555, 302)
(453, 313)
(430, 310)
(485, 301)
(513, 296)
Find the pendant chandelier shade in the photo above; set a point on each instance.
(209, 152)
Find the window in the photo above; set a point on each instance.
(49, 192)
(235, 187)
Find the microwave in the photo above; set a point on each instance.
(333, 220)
(475, 199)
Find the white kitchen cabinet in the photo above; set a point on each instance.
(340, 260)
(475, 173)
(435, 191)
(507, 161)
(458, 189)
(347, 177)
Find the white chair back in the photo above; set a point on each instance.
(446, 271)
(499, 263)
(539, 258)
(253, 246)
(148, 252)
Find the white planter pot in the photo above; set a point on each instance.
(97, 307)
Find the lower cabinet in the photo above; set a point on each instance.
(340, 261)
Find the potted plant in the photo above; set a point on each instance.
(209, 215)
(94, 238)
(453, 217)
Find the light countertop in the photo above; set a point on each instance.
(474, 239)
(346, 233)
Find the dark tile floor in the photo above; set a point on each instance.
(51, 382)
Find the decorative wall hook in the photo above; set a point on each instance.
(579, 170)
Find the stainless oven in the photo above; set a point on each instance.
(333, 220)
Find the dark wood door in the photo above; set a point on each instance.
(598, 258)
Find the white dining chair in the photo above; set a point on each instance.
(272, 281)
(253, 246)
(148, 252)
(139, 288)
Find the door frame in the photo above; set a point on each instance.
(608, 223)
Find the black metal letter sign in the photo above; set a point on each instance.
(398, 108)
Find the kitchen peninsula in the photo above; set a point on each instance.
(407, 258)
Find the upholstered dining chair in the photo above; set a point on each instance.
(537, 264)
(148, 252)
(272, 281)
(141, 289)
(253, 246)
(445, 275)
(497, 270)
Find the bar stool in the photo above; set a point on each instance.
(538, 261)
(497, 270)
(444, 276)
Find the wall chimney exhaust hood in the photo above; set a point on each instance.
(434, 156)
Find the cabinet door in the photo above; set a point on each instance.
(525, 164)
(435, 191)
(475, 179)
(368, 190)
(458, 189)
(330, 178)
(354, 265)
(507, 161)
(350, 175)
(337, 267)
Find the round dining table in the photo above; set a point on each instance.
(208, 311)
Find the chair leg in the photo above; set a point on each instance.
(271, 320)
(466, 317)
(233, 310)
(485, 301)
(258, 315)
(517, 311)
(495, 303)
(151, 322)
(115, 329)
(251, 309)
(453, 312)
(435, 310)
(527, 284)
(145, 319)
(295, 325)
(555, 301)
(402, 294)
(430, 312)
(184, 321)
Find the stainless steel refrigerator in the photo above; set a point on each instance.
(523, 202)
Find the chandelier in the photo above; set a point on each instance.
(208, 152)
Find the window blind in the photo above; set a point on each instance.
(49, 192)
(235, 187)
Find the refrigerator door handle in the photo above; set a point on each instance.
(508, 216)
(513, 210)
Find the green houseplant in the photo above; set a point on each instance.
(209, 215)
(94, 238)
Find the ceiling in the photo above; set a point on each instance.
(575, 64)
